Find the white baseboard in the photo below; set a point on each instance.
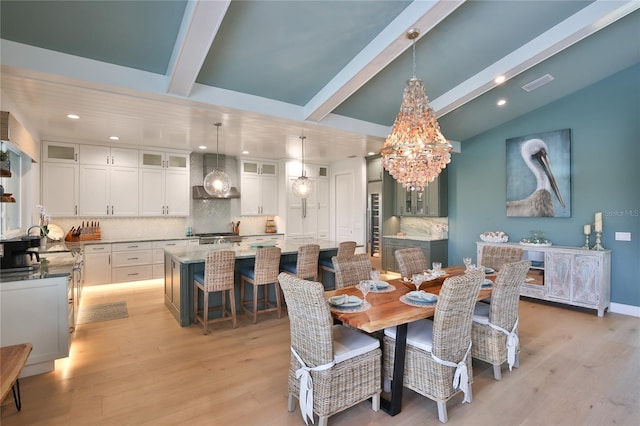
(619, 308)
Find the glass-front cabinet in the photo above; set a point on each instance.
(431, 201)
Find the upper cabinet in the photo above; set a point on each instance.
(374, 169)
(431, 201)
(104, 155)
(58, 152)
(164, 160)
(164, 184)
(259, 186)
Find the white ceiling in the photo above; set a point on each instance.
(271, 70)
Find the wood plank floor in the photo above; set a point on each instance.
(575, 369)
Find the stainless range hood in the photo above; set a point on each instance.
(210, 162)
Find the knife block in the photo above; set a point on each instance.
(84, 236)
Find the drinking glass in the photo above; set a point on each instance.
(375, 275)
(467, 262)
(364, 288)
(437, 267)
(417, 281)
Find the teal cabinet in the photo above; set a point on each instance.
(434, 251)
(432, 201)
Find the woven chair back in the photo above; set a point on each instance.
(267, 265)
(218, 270)
(496, 256)
(346, 248)
(411, 261)
(307, 262)
(506, 293)
(350, 270)
(454, 313)
(309, 319)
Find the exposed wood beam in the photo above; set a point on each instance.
(383, 49)
(199, 27)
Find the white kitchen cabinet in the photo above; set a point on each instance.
(59, 152)
(60, 188)
(163, 192)
(97, 264)
(108, 190)
(105, 155)
(259, 186)
(308, 217)
(569, 275)
(158, 253)
(164, 160)
(132, 261)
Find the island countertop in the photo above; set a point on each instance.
(243, 250)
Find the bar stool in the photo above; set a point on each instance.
(306, 265)
(264, 272)
(345, 248)
(217, 276)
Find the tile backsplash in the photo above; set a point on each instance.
(434, 227)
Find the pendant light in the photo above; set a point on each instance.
(217, 182)
(302, 186)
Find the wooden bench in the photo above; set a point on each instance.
(12, 360)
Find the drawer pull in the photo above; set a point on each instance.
(133, 274)
(132, 258)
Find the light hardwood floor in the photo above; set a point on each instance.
(575, 369)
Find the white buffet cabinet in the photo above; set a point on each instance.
(569, 275)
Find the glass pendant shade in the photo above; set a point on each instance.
(415, 152)
(302, 187)
(217, 182)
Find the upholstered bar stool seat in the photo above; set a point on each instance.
(345, 248)
(217, 276)
(262, 274)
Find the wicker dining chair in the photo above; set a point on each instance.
(495, 256)
(340, 364)
(217, 276)
(438, 349)
(263, 273)
(306, 265)
(350, 270)
(411, 261)
(495, 326)
(345, 248)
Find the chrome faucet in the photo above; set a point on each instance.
(43, 232)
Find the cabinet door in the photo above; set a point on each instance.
(124, 157)
(558, 275)
(178, 196)
(94, 190)
(151, 192)
(124, 191)
(97, 268)
(152, 159)
(251, 196)
(269, 195)
(322, 203)
(94, 154)
(60, 188)
(57, 152)
(175, 286)
(374, 169)
(401, 201)
(586, 277)
(177, 162)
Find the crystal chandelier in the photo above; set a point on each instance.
(302, 186)
(415, 152)
(217, 182)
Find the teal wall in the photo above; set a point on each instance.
(605, 176)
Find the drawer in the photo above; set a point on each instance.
(97, 248)
(131, 258)
(131, 273)
(170, 243)
(131, 246)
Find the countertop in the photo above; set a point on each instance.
(414, 237)
(143, 239)
(36, 274)
(196, 254)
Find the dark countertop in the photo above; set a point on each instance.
(7, 275)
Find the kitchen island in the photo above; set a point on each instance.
(182, 262)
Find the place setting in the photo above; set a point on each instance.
(376, 285)
(347, 303)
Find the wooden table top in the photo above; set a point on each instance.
(12, 360)
(386, 308)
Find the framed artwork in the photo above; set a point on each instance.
(539, 175)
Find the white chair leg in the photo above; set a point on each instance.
(497, 371)
(470, 394)
(442, 411)
(516, 363)
(323, 421)
(375, 402)
(291, 403)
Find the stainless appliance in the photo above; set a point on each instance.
(219, 238)
(20, 254)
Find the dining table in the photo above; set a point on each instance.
(388, 310)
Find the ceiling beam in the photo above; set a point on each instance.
(383, 49)
(582, 24)
(199, 27)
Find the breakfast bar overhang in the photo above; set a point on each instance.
(180, 264)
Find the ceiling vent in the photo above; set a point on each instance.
(529, 87)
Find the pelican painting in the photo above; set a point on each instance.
(532, 188)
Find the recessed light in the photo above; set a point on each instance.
(371, 153)
(114, 138)
(500, 79)
(502, 102)
(73, 116)
(245, 152)
(202, 147)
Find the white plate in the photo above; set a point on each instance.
(422, 297)
(378, 285)
(487, 283)
(344, 301)
(55, 232)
